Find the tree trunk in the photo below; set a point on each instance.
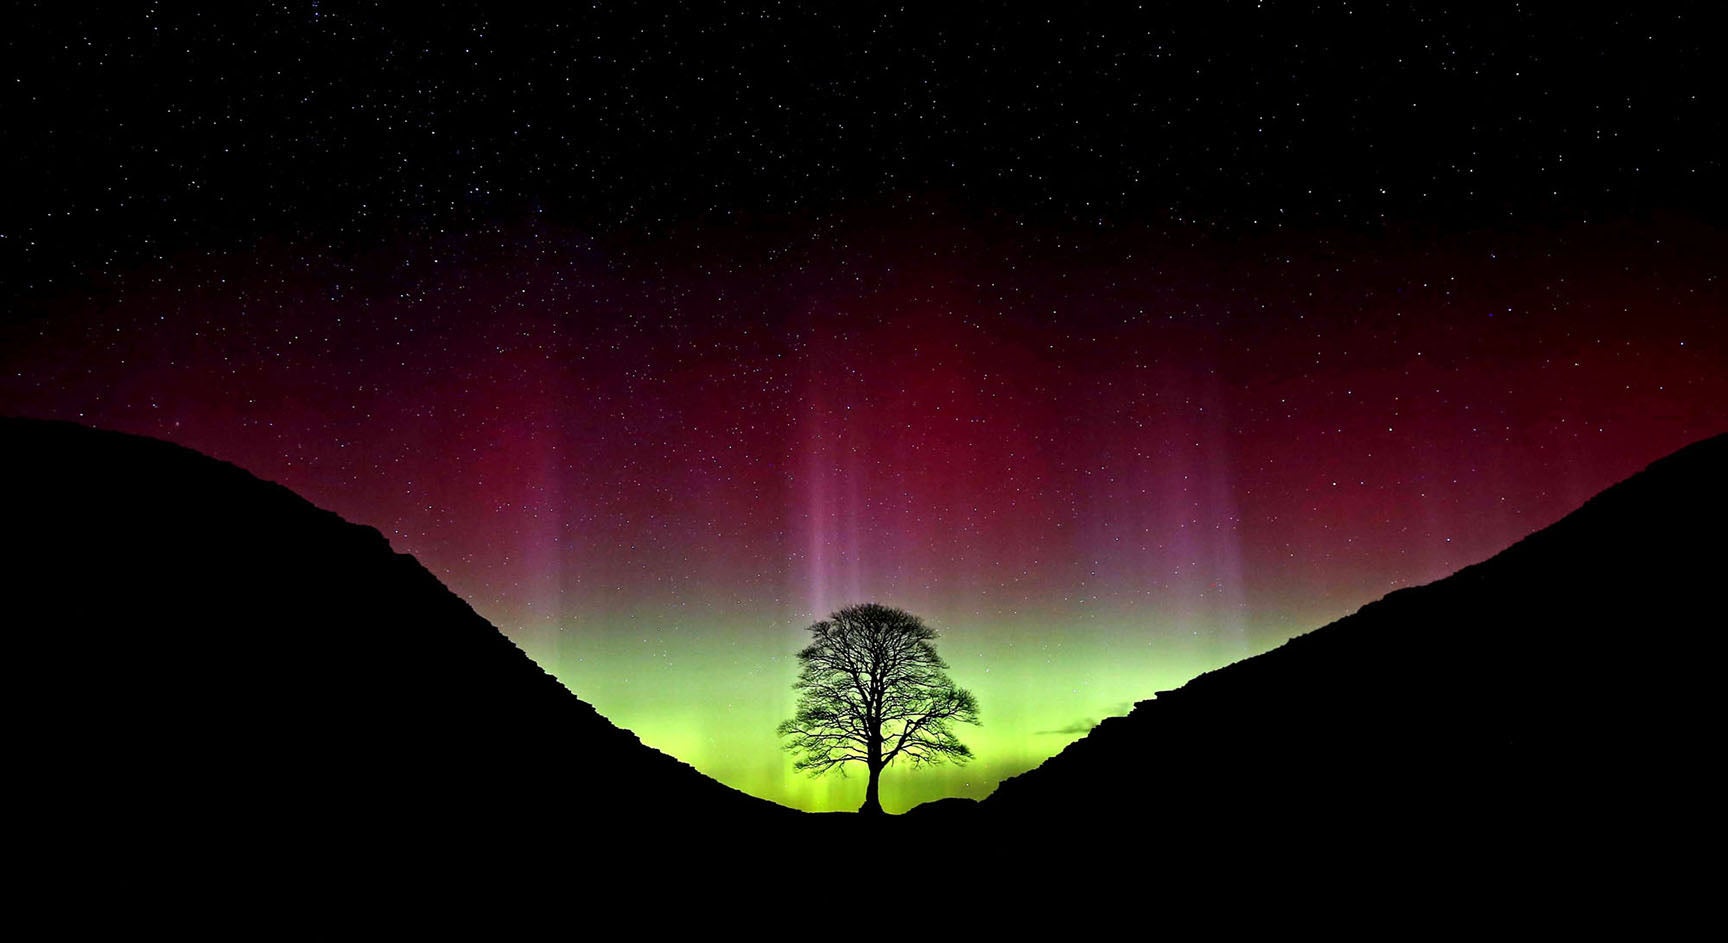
(872, 794)
(872, 798)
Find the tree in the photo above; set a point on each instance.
(873, 690)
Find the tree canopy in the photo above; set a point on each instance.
(872, 690)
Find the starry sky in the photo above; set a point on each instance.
(1118, 344)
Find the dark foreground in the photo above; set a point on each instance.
(226, 700)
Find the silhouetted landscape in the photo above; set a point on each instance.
(205, 660)
(561, 460)
(209, 660)
(1560, 690)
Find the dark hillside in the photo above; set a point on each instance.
(200, 657)
(1563, 687)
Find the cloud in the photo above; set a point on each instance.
(1079, 726)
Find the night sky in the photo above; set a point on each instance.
(1118, 345)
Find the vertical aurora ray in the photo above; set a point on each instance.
(831, 494)
(815, 509)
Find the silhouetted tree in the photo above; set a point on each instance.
(873, 690)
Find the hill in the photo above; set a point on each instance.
(1559, 691)
(200, 659)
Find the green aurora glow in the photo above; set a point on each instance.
(711, 695)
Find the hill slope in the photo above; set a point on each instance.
(1564, 685)
(201, 656)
